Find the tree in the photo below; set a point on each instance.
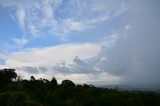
(13, 99)
(67, 83)
(32, 78)
(54, 81)
(7, 75)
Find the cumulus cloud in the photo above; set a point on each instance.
(51, 55)
(53, 61)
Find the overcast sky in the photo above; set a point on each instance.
(87, 41)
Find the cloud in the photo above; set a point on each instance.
(135, 57)
(51, 55)
(20, 42)
(32, 29)
(62, 61)
(112, 6)
(78, 66)
(58, 17)
(30, 70)
(100, 78)
(21, 15)
(16, 44)
(88, 24)
(129, 55)
(17, 3)
(97, 79)
(33, 70)
(7, 47)
(81, 66)
(2, 56)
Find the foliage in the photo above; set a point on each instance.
(68, 83)
(42, 92)
(6, 76)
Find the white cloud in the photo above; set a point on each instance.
(88, 24)
(21, 15)
(97, 79)
(58, 61)
(20, 42)
(47, 9)
(55, 18)
(33, 29)
(51, 55)
(2, 56)
(76, 26)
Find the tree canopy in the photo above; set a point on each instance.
(7, 75)
(43, 92)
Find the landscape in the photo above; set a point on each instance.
(42, 92)
(79, 53)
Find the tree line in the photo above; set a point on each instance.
(43, 92)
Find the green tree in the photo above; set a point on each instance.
(7, 76)
(68, 83)
(32, 78)
(54, 81)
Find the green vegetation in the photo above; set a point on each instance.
(42, 92)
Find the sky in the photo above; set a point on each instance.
(87, 41)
